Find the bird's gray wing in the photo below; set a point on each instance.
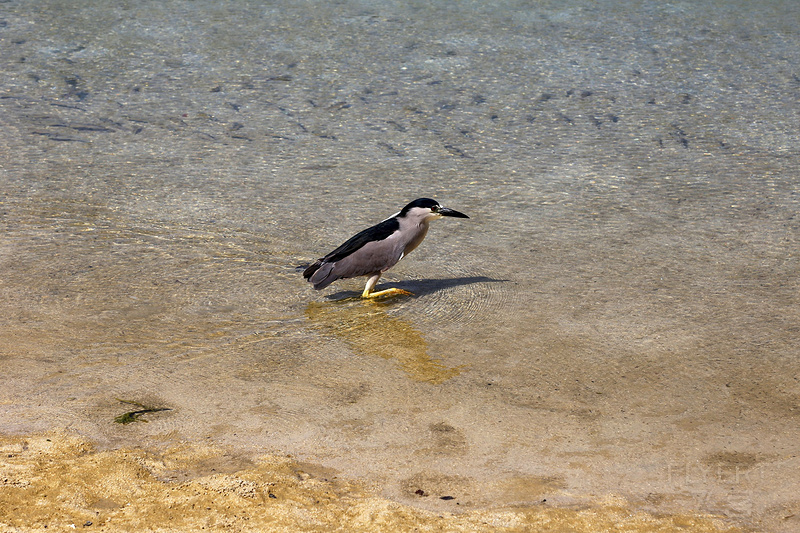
(373, 257)
(378, 232)
(342, 263)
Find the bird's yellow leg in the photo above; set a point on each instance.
(386, 292)
(372, 281)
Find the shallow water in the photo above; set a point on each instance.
(618, 316)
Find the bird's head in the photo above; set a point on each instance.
(427, 209)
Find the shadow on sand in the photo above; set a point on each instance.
(420, 287)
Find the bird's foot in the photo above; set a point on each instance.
(386, 292)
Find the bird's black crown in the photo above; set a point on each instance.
(420, 202)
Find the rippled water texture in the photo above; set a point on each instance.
(619, 316)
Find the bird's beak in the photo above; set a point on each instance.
(447, 212)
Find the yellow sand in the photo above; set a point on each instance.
(61, 482)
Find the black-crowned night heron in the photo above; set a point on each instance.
(377, 249)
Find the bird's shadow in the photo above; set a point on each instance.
(420, 287)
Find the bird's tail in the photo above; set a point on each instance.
(320, 274)
(308, 272)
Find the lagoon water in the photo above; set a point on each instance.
(618, 318)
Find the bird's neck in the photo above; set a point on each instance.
(418, 238)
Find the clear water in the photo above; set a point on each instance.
(618, 316)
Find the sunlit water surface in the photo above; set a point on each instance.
(619, 316)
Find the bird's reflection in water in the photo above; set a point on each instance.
(367, 329)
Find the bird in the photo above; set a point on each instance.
(375, 250)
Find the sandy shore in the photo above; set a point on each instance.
(61, 482)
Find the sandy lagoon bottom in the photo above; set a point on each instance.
(60, 482)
